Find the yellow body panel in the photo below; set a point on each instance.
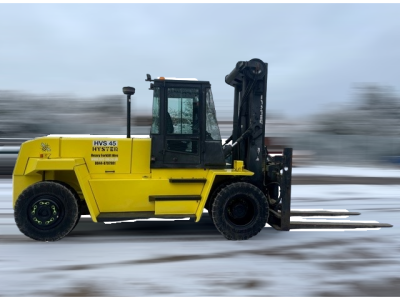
(41, 164)
(102, 155)
(183, 208)
(120, 195)
(113, 175)
(48, 147)
(141, 152)
(83, 177)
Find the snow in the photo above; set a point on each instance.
(183, 258)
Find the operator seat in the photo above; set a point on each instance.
(174, 145)
(170, 125)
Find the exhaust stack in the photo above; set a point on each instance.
(128, 91)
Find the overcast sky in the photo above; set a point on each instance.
(316, 53)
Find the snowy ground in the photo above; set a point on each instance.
(183, 258)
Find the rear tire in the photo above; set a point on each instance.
(77, 198)
(46, 211)
(240, 211)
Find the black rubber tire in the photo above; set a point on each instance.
(63, 205)
(212, 197)
(77, 198)
(240, 211)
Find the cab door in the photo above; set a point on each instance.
(182, 146)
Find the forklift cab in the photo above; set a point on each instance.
(184, 131)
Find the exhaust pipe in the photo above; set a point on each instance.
(128, 91)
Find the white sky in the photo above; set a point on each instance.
(316, 53)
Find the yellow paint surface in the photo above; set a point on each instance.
(114, 175)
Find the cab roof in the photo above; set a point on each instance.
(179, 80)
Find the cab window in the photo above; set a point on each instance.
(183, 111)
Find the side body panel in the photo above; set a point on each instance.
(114, 176)
(133, 193)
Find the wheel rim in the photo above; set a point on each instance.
(240, 210)
(45, 212)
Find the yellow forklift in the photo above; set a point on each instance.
(182, 168)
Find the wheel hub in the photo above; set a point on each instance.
(240, 211)
(44, 213)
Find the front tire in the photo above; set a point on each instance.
(240, 211)
(213, 195)
(46, 211)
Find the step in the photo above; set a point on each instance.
(142, 215)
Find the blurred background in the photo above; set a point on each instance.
(333, 71)
(333, 95)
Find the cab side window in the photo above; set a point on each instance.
(155, 124)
